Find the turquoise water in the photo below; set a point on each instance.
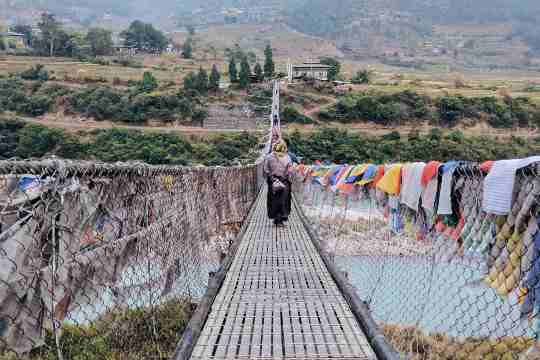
(141, 285)
(436, 297)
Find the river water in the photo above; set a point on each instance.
(437, 297)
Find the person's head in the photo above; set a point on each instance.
(280, 148)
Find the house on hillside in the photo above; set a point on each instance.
(125, 50)
(307, 70)
(13, 40)
(173, 49)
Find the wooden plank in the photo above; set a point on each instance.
(278, 301)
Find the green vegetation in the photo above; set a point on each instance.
(340, 146)
(53, 40)
(362, 77)
(259, 74)
(187, 49)
(14, 96)
(111, 145)
(269, 66)
(37, 72)
(100, 41)
(139, 103)
(213, 81)
(233, 73)
(335, 68)
(140, 333)
(200, 83)
(291, 115)
(410, 107)
(245, 72)
(144, 36)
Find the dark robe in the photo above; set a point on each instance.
(279, 203)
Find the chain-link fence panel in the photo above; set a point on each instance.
(446, 256)
(107, 261)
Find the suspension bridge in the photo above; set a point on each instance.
(95, 257)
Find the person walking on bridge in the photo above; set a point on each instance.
(277, 169)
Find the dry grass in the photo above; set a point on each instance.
(164, 68)
(420, 346)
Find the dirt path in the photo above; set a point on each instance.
(74, 125)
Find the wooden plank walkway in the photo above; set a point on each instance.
(278, 301)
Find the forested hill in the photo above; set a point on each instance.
(333, 13)
(479, 11)
(347, 20)
(344, 20)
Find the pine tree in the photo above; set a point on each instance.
(268, 62)
(233, 73)
(191, 81)
(202, 81)
(149, 83)
(187, 49)
(259, 72)
(245, 71)
(214, 79)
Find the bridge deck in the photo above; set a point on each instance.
(278, 301)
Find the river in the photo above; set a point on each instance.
(437, 297)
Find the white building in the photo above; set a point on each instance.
(307, 70)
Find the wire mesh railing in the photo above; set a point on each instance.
(446, 256)
(106, 261)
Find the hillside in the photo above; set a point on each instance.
(407, 33)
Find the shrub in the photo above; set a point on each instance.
(362, 77)
(149, 83)
(37, 141)
(35, 105)
(133, 333)
(291, 115)
(37, 72)
(451, 109)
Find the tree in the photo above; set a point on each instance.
(214, 79)
(258, 72)
(245, 71)
(233, 73)
(36, 73)
(73, 44)
(335, 67)
(26, 30)
(362, 77)
(269, 66)
(144, 36)
(187, 49)
(51, 31)
(191, 30)
(149, 83)
(54, 41)
(252, 57)
(202, 81)
(100, 41)
(213, 50)
(190, 82)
